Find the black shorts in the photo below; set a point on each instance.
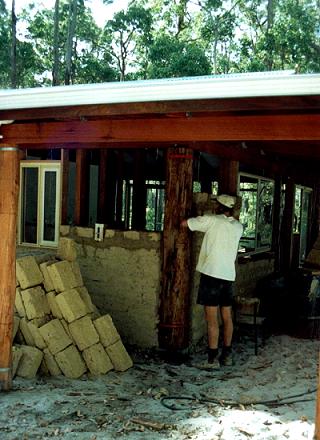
(214, 292)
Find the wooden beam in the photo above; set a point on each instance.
(9, 183)
(119, 190)
(255, 104)
(174, 299)
(177, 129)
(102, 202)
(228, 176)
(82, 189)
(65, 186)
(139, 191)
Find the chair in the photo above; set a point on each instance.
(246, 315)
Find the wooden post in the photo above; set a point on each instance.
(139, 194)
(9, 184)
(228, 176)
(82, 189)
(174, 313)
(317, 421)
(102, 203)
(65, 186)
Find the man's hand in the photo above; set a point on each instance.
(184, 224)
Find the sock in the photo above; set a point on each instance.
(226, 349)
(212, 354)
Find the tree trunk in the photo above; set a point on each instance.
(9, 180)
(55, 71)
(71, 32)
(13, 46)
(174, 313)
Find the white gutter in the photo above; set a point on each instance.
(207, 87)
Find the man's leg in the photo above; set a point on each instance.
(226, 314)
(226, 356)
(211, 316)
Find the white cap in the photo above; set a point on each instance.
(226, 200)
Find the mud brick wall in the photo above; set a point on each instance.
(122, 274)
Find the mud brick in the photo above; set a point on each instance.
(71, 363)
(66, 327)
(29, 362)
(71, 305)
(119, 356)
(55, 336)
(19, 304)
(54, 307)
(36, 335)
(84, 295)
(47, 281)
(51, 363)
(63, 276)
(16, 357)
(83, 332)
(27, 335)
(16, 324)
(35, 302)
(97, 360)
(67, 249)
(27, 272)
(77, 273)
(107, 332)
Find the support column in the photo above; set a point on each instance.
(228, 176)
(102, 203)
(65, 186)
(174, 313)
(82, 189)
(139, 195)
(9, 184)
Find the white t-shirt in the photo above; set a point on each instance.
(219, 246)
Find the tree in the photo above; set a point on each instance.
(170, 57)
(55, 70)
(130, 32)
(13, 46)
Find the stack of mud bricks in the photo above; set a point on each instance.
(58, 328)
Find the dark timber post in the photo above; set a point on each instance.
(174, 310)
(9, 184)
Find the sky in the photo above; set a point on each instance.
(101, 12)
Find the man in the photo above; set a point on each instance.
(216, 264)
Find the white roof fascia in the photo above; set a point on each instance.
(207, 87)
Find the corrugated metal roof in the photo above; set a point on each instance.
(280, 83)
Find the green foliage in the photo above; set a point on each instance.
(171, 58)
(164, 38)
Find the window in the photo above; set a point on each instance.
(155, 192)
(155, 205)
(256, 212)
(39, 206)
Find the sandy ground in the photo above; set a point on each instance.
(270, 396)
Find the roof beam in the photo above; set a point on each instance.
(176, 129)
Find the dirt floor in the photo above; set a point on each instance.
(270, 396)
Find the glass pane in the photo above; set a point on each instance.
(29, 205)
(248, 214)
(49, 208)
(265, 208)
